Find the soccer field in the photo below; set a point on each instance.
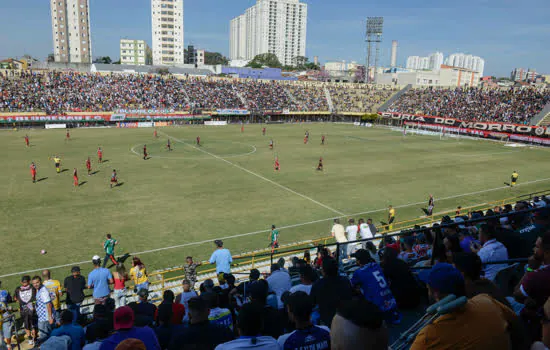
(227, 188)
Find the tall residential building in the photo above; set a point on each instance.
(71, 31)
(475, 63)
(436, 60)
(167, 29)
(135, 52)
(393, 61)
(431, 62)
(271, 26)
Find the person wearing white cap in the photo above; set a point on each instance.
(99, 280)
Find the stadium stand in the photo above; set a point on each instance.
(510, 105)
(358, 98)
(449, 258)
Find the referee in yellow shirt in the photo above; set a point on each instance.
(57, 162)
(391, 218)
(515, 177)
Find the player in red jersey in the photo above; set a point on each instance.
(271, 144)
(67, 135)
(33, 172)
(27, 140)
(168, 145)
(277, 166)
(322, 140)
(242, 127)
(263, 131)
(144, 152)
(198, 140)
(75, 177)
(114, 179)
(89, 165)
(99, 154)
(320, 165)
(155, 135)
(306, 137)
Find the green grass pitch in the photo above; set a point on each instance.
(228, 187)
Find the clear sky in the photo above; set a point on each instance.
(505, 33)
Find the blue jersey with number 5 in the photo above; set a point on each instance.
(374, 287)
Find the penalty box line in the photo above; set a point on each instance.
(281, 227)
(258, 176)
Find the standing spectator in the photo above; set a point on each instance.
(200, 334)
(109, 247)
(279, 282)
(339, 234)
(44, 309)
(165, 329)
(190, 269)
(483, 322)
(25, 295)
(125, 329)
(178, 310)
(120, 276)
(185, 296)
(364, 231)
(5, 317)
(75, 332)
(222, 258)
(144, 312)
(242, 290)
(138, 274)
(351, 235)
(250, 323)
(330, 291)
(74, 286)
(545, 344)
(307, 277)
(218, 315)
(99, 280)
(370, 279)
(306, 335)
(492, 250)
(359, 325)
(54, 287)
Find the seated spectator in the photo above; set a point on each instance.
(125, 329)
(407, 254)
(279, 282)
(492, 250)
(101, 332)
(329, 291)
(184, 297)
(483, 323)
(218, 316)
(102, 318)
(201, 333)
(206, 286)
(307, 276)
(545, 343)
(359, 325)
(250, 325)
(369, 247)
(273, 322)
(241, 292)
(178, 310)
(403, 284)
(370, 280)
(166, 329)
(452, 246)
(421, 247)
(75, 332)
(144, 312)
(306, 335)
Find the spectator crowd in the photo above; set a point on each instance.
(516, 106)
(354, 297)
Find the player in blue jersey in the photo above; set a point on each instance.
(370, 279)
(306, 335)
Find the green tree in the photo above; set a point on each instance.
(117, 62)
(300, 62)
(51, 58)
(312, 66)
(105, 60)
(215, 58)
(265, 60)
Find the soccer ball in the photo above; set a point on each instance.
(43, 251)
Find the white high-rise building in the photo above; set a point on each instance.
(167, 30)
(475, 63)
(71, 31)
(413, 62)
(436, 60)
(271, 26)
(431, 62)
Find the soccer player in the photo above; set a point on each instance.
(99, 154)
(75, 177)
(322, 140)
(263, 131)
(391, 218)
(155, 135)
(198, 140)
(271, 144)
(57, 162)
(430, 205)
(306, 137)
(144, 152)
(277, 165)
(114, 179)
(67, 135)
(515, 177)
(320, 166)
(33, 172)
(89, 165)
(27, 140)
(109, 247)
(242, 127)
(168, 145)
(274, 235)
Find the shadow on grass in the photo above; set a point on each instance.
(42, 179)
(82, 183)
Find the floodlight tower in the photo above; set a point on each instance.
(374, 35)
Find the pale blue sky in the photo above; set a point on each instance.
(506, 33)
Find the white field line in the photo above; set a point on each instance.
(281, 227)
(254, 149)
(258, 175)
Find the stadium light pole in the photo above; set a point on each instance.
(374, 35)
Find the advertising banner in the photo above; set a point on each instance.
(482, 127)
(145, 125)
(99, 118)
(127, 125)
(56, 126)
(232, 111)
(216, 122)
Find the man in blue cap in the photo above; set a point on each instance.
(482, 323)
